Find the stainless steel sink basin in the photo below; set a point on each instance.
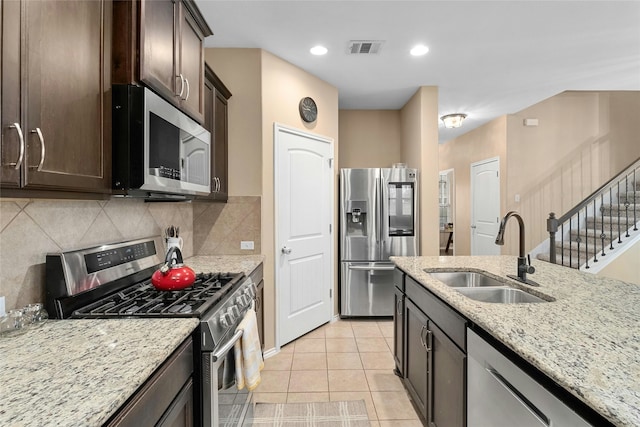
(502, 295)
(465, 279)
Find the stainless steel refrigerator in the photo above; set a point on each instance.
(378, 219)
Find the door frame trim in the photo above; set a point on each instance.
(277, 128)
(471, 188)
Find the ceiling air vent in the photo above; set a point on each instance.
(366, 47)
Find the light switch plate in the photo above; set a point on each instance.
(246, 245)
(2, 313)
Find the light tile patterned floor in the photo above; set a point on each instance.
(343, 360)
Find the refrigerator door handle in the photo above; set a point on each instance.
(380, 195)
(367, 268)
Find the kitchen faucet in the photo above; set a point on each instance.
(524, 267)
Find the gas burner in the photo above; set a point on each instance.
(144, 300)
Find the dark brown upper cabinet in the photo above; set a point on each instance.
(56, 99)
(161, 43)
(216, 117)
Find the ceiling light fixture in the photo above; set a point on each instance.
(419, 50)
(318, 50)
(453, 120)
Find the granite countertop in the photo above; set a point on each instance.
(224, 263)
(80, 372)
(587, 339)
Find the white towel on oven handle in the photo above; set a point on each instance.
(248, 353)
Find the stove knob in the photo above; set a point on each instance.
(249, 292)
(235, 312)
(224, 321)
(240, 300)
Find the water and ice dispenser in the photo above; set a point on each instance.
(356, 218)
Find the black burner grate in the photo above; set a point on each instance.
(144, 300)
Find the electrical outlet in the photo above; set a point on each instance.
(246, 245)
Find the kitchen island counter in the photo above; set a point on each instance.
(587, 339)
(80, 372)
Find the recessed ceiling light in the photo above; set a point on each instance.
(318, 50)
(419, 50)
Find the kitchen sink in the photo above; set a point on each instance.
(465, 279)
(483, 288)
(504, 295)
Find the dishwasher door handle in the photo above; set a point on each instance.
(519, 397)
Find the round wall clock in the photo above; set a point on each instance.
(308, 109)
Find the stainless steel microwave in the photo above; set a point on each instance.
(158, 151)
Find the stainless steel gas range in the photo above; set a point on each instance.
(113, 280)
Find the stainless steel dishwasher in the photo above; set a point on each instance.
(499, 394)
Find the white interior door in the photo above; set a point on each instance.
(485, 207)
(304, 222)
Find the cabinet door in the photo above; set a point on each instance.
(191, 65)
(447, 372)
(180, 413)
(398, 325)
(66, 64)
(220, 145)
(158, 35)
(12, 145)
(416, 369)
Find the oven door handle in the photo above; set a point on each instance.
(223, 350)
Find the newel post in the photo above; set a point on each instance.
(552, 228)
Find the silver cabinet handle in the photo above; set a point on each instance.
(188, 90)
(364, 267)
(181, 84)
(286, 250)
(217, 184)
(428, 339)
(18, 129)
(424, 344)
(42, 150)
(399, 307)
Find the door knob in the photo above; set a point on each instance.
(286, 250)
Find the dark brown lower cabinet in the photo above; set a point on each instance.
(447, 372)
(416, 362)
(166, 399)
(398, 332)
(434, 371)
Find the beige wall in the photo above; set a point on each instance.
(369, 138)
(283, 85)
(583, 139)
(485, 142)
(267, 90)
(419, 149)
(239, 69)
(626, 267)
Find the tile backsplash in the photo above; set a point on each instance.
(31, 228)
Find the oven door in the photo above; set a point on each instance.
(218, 373)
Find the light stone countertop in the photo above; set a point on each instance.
(224, 263)
(587, 340)
(80, 372)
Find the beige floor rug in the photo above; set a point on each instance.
(321, 414)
